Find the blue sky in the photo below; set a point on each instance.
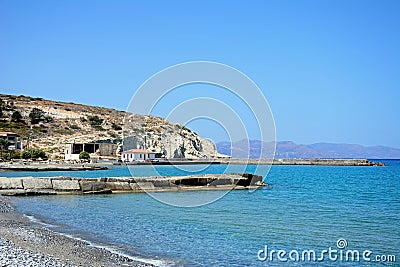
(329, 69)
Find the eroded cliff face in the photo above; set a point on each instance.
(172, 140)
(63, 123)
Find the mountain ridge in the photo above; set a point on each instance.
(289, 149)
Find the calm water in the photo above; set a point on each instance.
(307, 207)
(142, 170)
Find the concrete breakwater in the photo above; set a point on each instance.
(37, 167)
(71, 185)
(317, 162)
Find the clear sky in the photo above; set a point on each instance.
(329, 69)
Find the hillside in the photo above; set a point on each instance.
(288, 149)
(59, 123)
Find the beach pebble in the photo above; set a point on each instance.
(4, 206)
(39, 246)
(10, 255)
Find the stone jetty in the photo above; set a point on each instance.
(72, 185)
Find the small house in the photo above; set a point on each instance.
(137, 155)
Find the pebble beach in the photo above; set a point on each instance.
(26, 243)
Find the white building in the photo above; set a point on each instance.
(137, 155)
(106, 150)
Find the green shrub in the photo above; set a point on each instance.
(116, 127)
(95, 121)
(4, 144)
(16, 116)
(9, 155)
(36, 115)
(33, 154)
(84, 155)
(14, 154)
(11, 126)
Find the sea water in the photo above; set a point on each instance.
(306, 208)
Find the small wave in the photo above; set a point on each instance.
(160, 263)
(38, 221)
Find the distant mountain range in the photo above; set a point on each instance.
(288, 149)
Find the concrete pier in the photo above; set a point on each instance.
(71, 185)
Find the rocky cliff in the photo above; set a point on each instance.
(172, 140)
(53, 124)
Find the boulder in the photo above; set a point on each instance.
(146, 185)
(134, 186)
(119, 179)
(37, 183)
(118, 186)
(161, 183)
(66, 185)
(10, 183)
(92, 186)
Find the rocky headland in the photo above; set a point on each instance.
(55, 124)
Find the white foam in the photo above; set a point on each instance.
(160, 263)
(36, 220)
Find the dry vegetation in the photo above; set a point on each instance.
(62, 123)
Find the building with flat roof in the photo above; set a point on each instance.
(12, 138)
(72, 150)
(137, 155)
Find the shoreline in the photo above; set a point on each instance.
(24, 242)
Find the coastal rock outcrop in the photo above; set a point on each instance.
(170, 140)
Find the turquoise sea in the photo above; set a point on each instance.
(305, 208)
